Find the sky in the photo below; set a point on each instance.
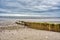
(42, 8)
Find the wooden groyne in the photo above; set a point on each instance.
(42, 26)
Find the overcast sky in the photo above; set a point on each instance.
(47, 8)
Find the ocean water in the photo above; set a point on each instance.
(29, 18)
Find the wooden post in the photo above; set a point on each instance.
(49, 27)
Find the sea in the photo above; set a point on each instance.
(34, 18)
(29, 18)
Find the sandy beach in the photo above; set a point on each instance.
(25, 33)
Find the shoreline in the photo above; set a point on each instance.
(25, 33)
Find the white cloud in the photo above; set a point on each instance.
(29, 5)
(32, 4)
(19, 15)
(44, 5)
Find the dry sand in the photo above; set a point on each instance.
(25, 33)
(28, 34)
